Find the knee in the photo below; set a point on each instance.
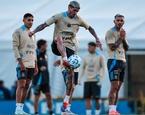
(115, 87)
(21, 85)
(27, 86)
(58, 39)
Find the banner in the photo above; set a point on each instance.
(77, 106)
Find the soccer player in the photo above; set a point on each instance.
(117, 46)
(75, 77)
(93, 69)
(25, 54)
(66, 26)
(40, 82)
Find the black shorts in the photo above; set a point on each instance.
(75, 78)
(69, 52)
(44, 88)
(116, 70)
(28, 73)
(92, 90)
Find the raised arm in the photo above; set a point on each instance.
(39, 28)
(98, 43)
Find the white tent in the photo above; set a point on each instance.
(98, 13)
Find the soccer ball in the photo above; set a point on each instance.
(74, 61)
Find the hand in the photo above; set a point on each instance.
(57, 63)
(122, 33)
(31, 33)
(98, 43)
(22, 67)
(35, 71)
(42, 68)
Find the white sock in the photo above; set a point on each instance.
(111, 107)
(66, 99)
(97, 112)
(19, 106)
(88, 112)
(69, 107)
(115, 107)
(64, 58)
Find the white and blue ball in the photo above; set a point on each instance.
(74, 61)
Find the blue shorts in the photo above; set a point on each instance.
(116, 70)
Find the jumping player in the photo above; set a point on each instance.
(66, 26)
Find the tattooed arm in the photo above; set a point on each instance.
(98, 43)
(125, 45)
(39, 28)
(115, 45)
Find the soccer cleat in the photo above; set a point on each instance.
(64, 107)
(113, 112)
(19, 112)
(66, 64)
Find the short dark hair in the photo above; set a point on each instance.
(41, 42)
(118, 15)
(92, 44)
(27, 15)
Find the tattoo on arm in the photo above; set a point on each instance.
(40, 27)
(92, 31)
(116, 44)
(125, 45)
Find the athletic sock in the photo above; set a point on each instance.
(88, 112)
(64, 58)
(97, 112)
(115, 107)
(111, 107)
(19, 106)
(66, 99)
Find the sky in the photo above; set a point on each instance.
(98, 13)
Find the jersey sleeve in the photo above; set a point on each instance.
(84, 24)
(110, 38)
(16, 43)
(53, 19)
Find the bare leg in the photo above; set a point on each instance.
(120, 83)
(71, 93)
(113, 92)
(36, 99)
(69, 74)
(60, 46)
(88, 104)
(20, 89)
(49, 101)
(25, 90)
(97, 103)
